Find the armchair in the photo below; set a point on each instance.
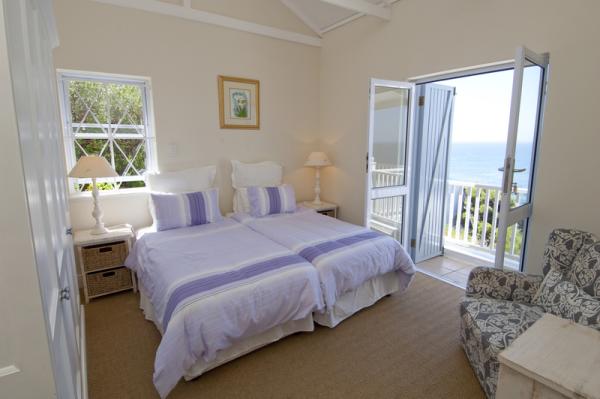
(500, 305)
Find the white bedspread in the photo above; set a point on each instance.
(345, 255)
(214, 285)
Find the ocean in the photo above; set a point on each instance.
(479, 163)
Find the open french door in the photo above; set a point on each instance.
(433, 129)
(31, 38)
(388, 159)
(526, 111)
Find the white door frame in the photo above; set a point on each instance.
(397, 190)
(507, 216)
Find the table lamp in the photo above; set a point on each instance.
(317, 160)
(94, 167)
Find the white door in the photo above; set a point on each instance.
(526, 111)
(433, 128)
(388, 174)
(31, 37)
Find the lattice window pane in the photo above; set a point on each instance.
(89, 103)
(128, 161)
(90, 147)
(108, 117)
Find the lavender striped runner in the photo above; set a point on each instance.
(310, 253)
(208, 283)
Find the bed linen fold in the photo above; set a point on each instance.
(214, 285)
(344, 254)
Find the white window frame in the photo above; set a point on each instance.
(64, 76)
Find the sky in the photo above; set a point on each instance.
(482, 106)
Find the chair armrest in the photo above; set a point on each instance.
(485, 282)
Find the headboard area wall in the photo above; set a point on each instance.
(183, 60)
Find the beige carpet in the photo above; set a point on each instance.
(405, 346)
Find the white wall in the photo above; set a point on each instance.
(23, 340)
(326, 92)
(428, 36)
(183, 59)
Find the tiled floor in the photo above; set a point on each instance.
(447, 269)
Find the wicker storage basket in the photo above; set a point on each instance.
(109, 281)
(105, 255)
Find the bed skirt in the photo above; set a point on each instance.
(364, 296)
(239, 349)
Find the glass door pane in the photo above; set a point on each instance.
(529, 111)
(390, 125)
(387, 216)
(387, 159)
(514, 245)
(518, 172)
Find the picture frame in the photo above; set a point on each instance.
(239, 103)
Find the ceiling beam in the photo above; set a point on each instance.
(293, 6)
(364, 7)
(189, 13)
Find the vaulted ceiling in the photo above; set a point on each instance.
(303, 21)
(325, 15)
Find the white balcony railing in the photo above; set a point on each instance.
(471, 216)
(386, 213)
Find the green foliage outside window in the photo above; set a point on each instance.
(108, 120)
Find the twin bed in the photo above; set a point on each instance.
(219, 290)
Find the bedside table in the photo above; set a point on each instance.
(101, 259)
(324, 208)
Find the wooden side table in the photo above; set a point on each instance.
(324, 208)
(554, 358)
(101, 259)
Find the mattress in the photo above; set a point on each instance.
(214, 286)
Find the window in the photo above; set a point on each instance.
(109, 116)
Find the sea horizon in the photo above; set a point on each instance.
(478, 162)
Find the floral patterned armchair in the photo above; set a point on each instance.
(501, 305)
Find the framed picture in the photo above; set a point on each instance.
(239, 103)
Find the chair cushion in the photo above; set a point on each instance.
(585, 271)
(488, 326)
(563, 247)
(565, 299)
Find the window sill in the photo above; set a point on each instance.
(126, 192)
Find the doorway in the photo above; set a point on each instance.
(468, 175)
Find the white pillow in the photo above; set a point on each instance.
(241, 203)
(183, 181)
(262, 174)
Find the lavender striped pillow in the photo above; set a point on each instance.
(172, 211)
(271, 200)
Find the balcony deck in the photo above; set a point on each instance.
(451, 270)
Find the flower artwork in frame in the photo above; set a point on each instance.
(239, 103)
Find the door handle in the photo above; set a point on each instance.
(506, 177)
(519, 170)
(65, 294)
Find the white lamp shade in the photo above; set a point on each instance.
(92, 166)
(317, 159)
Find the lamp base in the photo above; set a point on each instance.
(317, 202)
(99, 230)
